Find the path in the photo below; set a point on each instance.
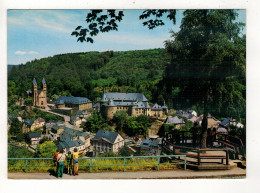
(66, 118)
(174, 174)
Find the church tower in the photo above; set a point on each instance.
(35, 93)
(44, 86)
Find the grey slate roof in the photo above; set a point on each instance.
(34, 135)
(191, 111)
(97, 105)
(221, 130)
(74, 118)
(145, 143)
(155, 143)
(12, 116)
(174, 120)
(179, 112)
(187, 115)
(108, 135)
(111, 103)
(29, 122)
(225, 122)
(156, 107)
(70, 143)
(124, 96)
(72, 100)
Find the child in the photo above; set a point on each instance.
(69, 159)
(76, 160)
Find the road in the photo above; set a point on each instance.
(173, 174)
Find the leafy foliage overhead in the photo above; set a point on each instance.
(107, 20)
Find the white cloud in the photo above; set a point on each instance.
(12, 20)
(32, 52)
(49, 19)
(51, 25)
(20, 52)
(25, 53)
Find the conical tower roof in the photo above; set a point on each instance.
(43, 81)
(103, 99)
(34, 82)
(111, 103)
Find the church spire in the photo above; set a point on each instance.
(34, 81)
(43, 81)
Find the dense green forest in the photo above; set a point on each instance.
(86, 74)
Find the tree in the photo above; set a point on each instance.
(120, 118)
(46, 149)
(44, 139)
(28, 101)
(94, 123)
(137, 125)
(16, 127)
(208, 62)
(125, 151)
(204, 126)
(105, 21)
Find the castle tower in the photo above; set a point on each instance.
(111, 109)
(35, 93)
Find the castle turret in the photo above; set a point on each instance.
(111, 109)
(104, 98)
(165, 108)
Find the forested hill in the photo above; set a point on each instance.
(86, 74)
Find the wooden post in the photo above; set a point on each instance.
(185, 163)
(198, 157)
(227, 157)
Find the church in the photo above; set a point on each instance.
(40, 96)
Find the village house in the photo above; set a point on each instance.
(133, 104)
(83, 113)
(107, 141)
(34, 138)
(229, 122)
(72, 104)
(70, 138)
(70, 145)
(150, 146)
(10, 117)
(31, 125)
(54, 129)
(75, 120)
(72, 134)
(191, 115)
(176, 121)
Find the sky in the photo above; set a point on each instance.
(35, 34)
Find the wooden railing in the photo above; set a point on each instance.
(196, 153)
